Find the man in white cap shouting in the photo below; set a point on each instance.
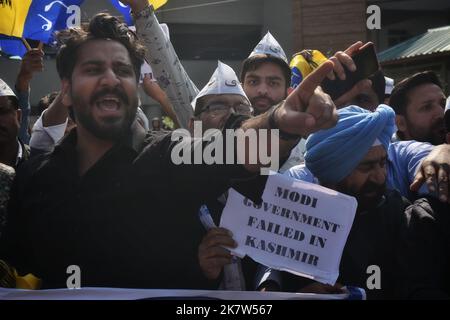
(12, 151)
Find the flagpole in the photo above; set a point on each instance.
(26, 44)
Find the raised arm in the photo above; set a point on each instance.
(32, 62)
(161, 56)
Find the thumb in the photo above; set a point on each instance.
(419, 179)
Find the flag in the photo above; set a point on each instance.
(14, 14)
(125, 10)
(12, 46)
(36, 20)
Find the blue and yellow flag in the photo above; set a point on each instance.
(38, 19)
(125, 10)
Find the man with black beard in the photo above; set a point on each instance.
(352, 158)
(419, 103)
(56, 194)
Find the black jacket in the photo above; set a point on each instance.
(128, 222)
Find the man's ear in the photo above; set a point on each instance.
(66, 96)
(400, 122)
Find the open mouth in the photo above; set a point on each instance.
(109, 105)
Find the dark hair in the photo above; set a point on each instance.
(254, 62)
(46, 101)
(399, 96)
(102, 26)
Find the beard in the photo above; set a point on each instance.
(112, 128)
(435, 135)
(261, 99)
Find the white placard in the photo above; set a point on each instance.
(300, 227)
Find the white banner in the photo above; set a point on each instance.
(300, 227)
(135, 294)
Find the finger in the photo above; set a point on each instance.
(430, 177)
(350, 95)
(40, 45)
(338, 67)
(321, 108)
(353, 48)
(443, 184)
(214, 252)
(365, 45)
(219, 231)
(332, 75)
(419, 179)
(306, 88)
(346, 61)
(36, 52)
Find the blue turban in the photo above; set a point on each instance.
(333, 154)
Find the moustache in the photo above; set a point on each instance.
(372, 187)
(110, 91)
(262, 99)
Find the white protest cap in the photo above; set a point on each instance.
(5, 90)
(389, 85)
(270, 46)
(223, 81)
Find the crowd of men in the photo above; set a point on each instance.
(94, 187)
